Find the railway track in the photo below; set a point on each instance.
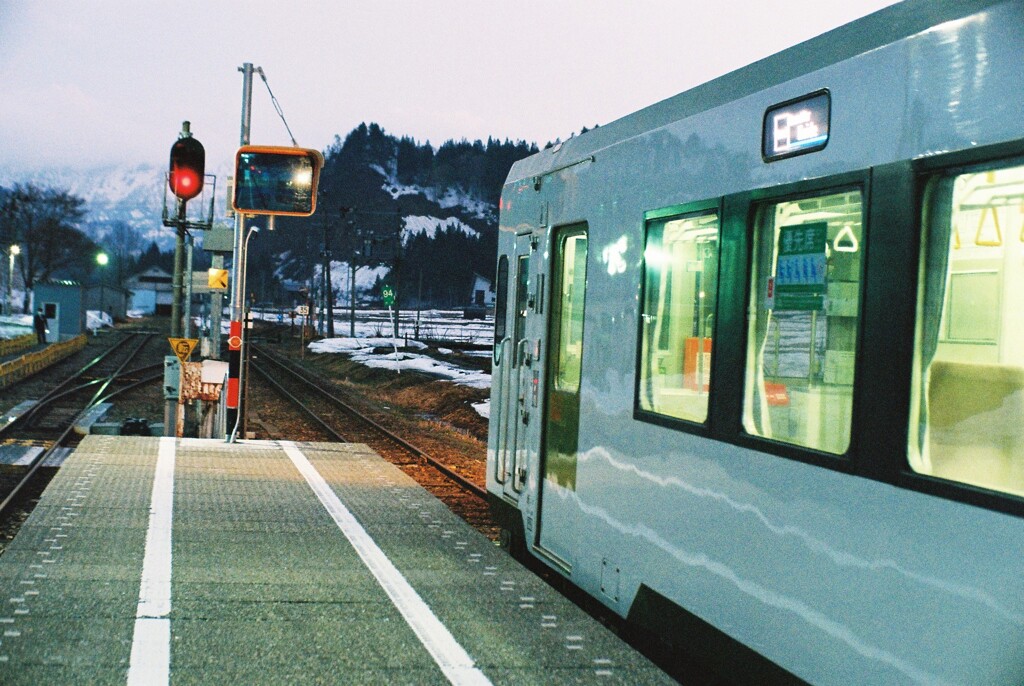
(51, 421)
(332, 416)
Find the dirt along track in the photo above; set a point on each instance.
(434, 416)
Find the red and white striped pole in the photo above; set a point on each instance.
(234, 365)
(234, 401)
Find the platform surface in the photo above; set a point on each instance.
(186, 561)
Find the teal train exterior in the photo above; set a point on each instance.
(758, 381)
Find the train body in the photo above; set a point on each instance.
(758, 379)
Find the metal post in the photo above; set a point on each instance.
(237, 295)
(322, 301)
(394, 277)
(234, 401)
(12, 251)
(419, 306)
(179, 266)
(352, 297)
(240, 411)
(328, 286)
(216, 310)
(179, 253)
(187, 329)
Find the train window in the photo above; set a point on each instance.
(680, 292)
(501, 301)
(567, 311)
(804, 321)
(967, 400)
(522, 305)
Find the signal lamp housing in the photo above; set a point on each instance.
(188, 162)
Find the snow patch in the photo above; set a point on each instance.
(97, 319)
(429, 226)
(380, 353)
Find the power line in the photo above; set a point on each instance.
(277, 105)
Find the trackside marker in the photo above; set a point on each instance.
(451, 657)
(150, 662)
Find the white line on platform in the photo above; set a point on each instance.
(151, 643)
(451, 657)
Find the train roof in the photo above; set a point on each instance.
(880, 28)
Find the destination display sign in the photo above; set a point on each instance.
(801, 269)
(796, 127)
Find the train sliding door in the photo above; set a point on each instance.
(558, 507)
(513, 360)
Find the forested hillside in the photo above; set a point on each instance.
(424, 220)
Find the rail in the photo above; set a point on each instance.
(60, 392)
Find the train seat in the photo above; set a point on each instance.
(976, 423)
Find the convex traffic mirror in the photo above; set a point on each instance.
(276, 180)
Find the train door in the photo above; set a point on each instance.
(514, 360)
(557, 520)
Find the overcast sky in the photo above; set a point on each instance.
(86, 83)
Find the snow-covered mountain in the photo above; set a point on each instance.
(441, 204)
(131, 193)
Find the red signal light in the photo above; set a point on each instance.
(188, 160)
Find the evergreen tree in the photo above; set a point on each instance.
(356, 208)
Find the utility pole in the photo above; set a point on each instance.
(357, 243)
(179, 262)
(396, 261)
(187, 330)
(328, 286)
(237, 287)
(328, 236)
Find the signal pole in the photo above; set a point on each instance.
(179, 261)
(187, 169)
(186, 178)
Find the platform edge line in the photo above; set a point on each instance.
(150, 661)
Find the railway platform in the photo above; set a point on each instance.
(188, 561)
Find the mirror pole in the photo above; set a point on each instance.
(234, 400)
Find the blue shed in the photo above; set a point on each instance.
(63, 304)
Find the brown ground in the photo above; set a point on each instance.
(415, 395)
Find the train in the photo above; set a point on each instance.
(758, 374)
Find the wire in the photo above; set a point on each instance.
(277, 105)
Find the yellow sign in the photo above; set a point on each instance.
(183, 347)
(218, 279)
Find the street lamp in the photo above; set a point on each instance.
(102, 259)
(12, 252)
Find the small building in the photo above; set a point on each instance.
(481, 300)
(151, 291)
(63, 305)
(110, 299)
(483, 291)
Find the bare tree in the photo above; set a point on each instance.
(44, 222)
(122, 242)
